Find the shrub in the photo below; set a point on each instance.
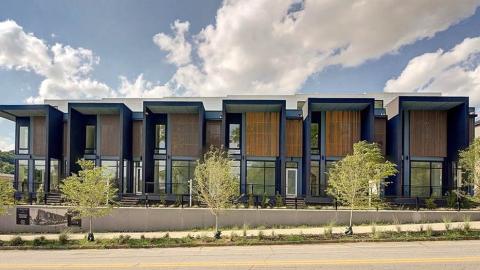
(265, 200)
(278, 200)
(142, 237)
(451, 199)
(430, 203)
(167, 235)
(261, 236)
(63, 237)
(328, 232)
(16, 241)
(447, 222)
(1, 243)
(123, 239)
(429, 231)
(38, 241)
(251, 201)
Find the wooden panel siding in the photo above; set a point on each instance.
(294, 138)
(428, 133)
(342, 131)
(185, 134)
(137, 138)
(39, 136)
(262, 134)
(213, 134)
(380, 136)
(110, 135)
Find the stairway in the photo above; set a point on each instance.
(129, 200)
(290, 202)
(53, 198)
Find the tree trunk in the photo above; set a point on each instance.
(351, 214)
(216, 223)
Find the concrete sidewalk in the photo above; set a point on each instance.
(474, 225)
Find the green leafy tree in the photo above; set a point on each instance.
(6, 195)
(90, 192)
(470, 162)
(355, 181)
(215, 183)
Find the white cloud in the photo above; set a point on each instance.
(6, 144)
(454, 72)
(262, 46)
(177, 47)
(142, 88)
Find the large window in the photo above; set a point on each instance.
(261, 177)
(426, 179)
(159, 175)
(111, 167)
(23, 140)
(23, 176)
(90, 139)
(235, 168)
(292, 177)
(234, 135)
(315, 178)
(182, 172)
(54, 175)
(160, 139)
(314, 138)
(39, 176)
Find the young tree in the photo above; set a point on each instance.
(470, 162)
(355, 180)
(89, 193)
(215, 184)
(6, 195)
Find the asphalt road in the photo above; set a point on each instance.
(414, 255)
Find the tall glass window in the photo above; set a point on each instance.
(315, 178)
(314, 138)
(112, 170)
(23, 176)
(261, 177)
(159, 175)
(292, 178)
(39, 176)
(137, 176)
(426, 179)
(23, 140)
(160, 139)
(90, 139)
(235, 168)
(125, 176)
(182, 171)
(54, 175)
(234, 135)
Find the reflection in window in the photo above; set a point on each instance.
(111, 168)
(137, 176)
(23, 176)
(125, 176)
(160, 139)
(234, 135)
(314, 139)
(23, 140)
(159, 176)
(291, 178)
(39, 176)
(90, 139)
(426, 179)
(54, 175)
(261, 177)
(235, 168)
(315, 178)
(182, 171)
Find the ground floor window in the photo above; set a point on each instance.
(182, 172)
(292, 178)
(125, 176)
(426, 178)
(112, 169)
(23, 176)
(137, 176)
(315, 178)
(261, 177)
(159, 176)
(235, 168)
(54, 175)
(39, 176)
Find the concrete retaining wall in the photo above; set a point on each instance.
(160, 219)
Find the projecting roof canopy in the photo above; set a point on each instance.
(11, 112)
(173, 107)
(339, 104)
(239, 106)
(98, 108)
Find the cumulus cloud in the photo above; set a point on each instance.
(177, 47)
(272, 47)
(6, 144)
(454, 72)
(142, 88)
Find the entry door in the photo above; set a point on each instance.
(138, 179)
(291, 182)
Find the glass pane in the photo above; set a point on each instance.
(111, 169)
(125, 176)
(436, 182)
(314, 136)
(270, 181)
(159, 176)
(39, 176)
(137, 176)
(54, 175)
(291, 181)
(420, 179)
(235, 169)
(89, 139)
(23, 140)
(160, 138)
(182, 172)
(314, 178)
(23, 176)
(234, 136)
(261, 177)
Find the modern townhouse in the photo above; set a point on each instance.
(279, 144)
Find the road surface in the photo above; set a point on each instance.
(413, 255)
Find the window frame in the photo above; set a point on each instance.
(248, 183)
(23, 150)
(433, 191)
(93, 150)
(159, 148)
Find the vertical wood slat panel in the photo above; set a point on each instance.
(380, 136)
(262, 134)
(110, 135)
(137, 138)
(294, 139)
(428, 133)
(39, 136)
(342, 131)
(185, 133)
(213, 134)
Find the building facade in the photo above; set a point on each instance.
(279, 144)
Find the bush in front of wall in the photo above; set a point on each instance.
(265, 200)
(278, 200)
(430, 203)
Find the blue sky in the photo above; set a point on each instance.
(349, 52)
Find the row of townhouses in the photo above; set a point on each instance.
(279, 144)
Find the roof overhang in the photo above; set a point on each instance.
(431, 103)
(173, 107)
(11, 112)
(339, 104)
(98, 108)
(240, 106)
